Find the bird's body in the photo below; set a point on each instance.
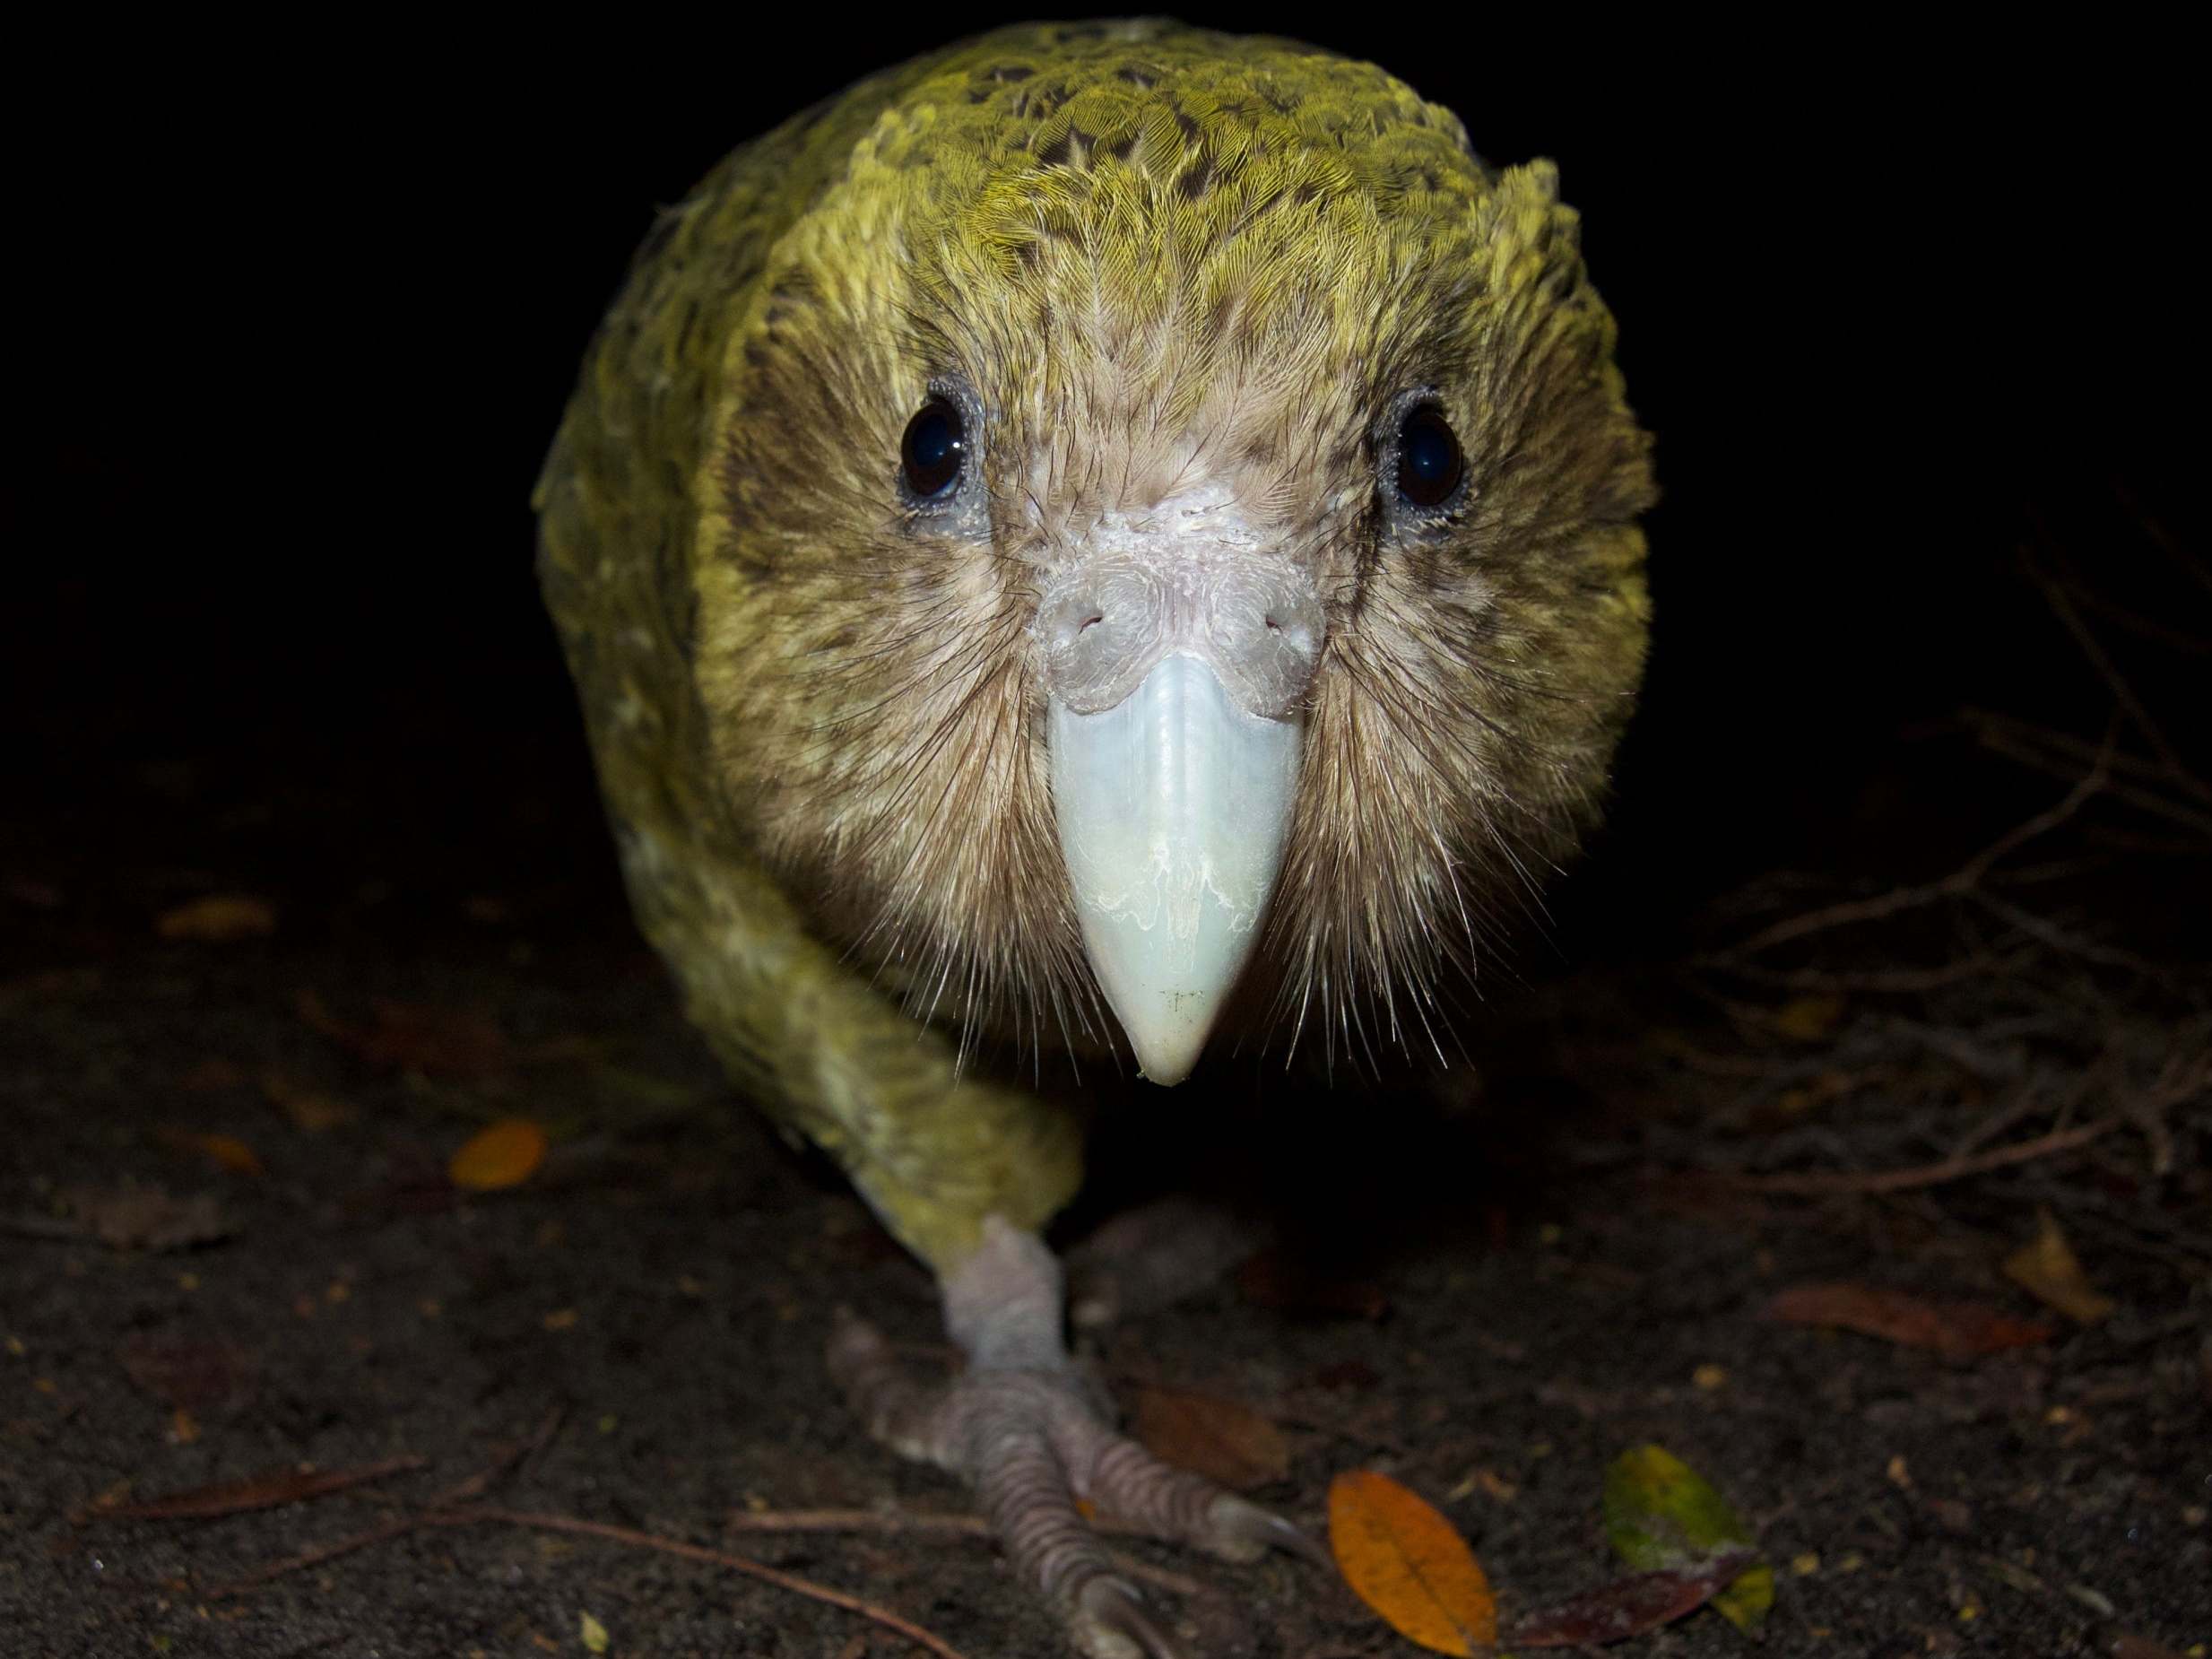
(1198, 325)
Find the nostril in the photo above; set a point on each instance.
(1273, 627)
(1087, 623)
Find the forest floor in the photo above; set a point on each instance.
(1893, 1221)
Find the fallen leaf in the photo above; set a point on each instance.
(650, 1096)
(1956, 1330)
(54, 984)
(38, 895)
(219, 919)
(2125, 1645)
(1342, 1375)
(1808, 1018)
(403, 1037)
(1954, 1514)
(306, 1108)
(1628, 1606)
(227, 1150)
(1231, 1443)
(1274, 1281)
(592, 1634)
(1662, 1516)
(146, 1218)
(213, 1074)
(208, 1377)
(1410, 1564)
(501, 1155)
(2047, 1269)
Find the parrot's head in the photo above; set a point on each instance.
(1171, 524)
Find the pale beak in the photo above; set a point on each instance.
(1173, 808)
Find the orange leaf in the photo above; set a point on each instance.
(1411, 1564)
(1231, 1444)
(502, 1154)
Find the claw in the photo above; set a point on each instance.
(1266, 1528)
(1113, 1624)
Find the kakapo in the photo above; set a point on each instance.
(1096, 519)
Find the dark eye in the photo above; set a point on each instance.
(1429, 463)
(934, 447)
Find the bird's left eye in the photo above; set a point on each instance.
(934, 449)
(1429, 462)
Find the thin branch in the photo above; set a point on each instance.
(1922, 1175)
(2123, 764)
(1957, 884)
(289, 1486)
(2161, 537)
(503, 1463)
(2135, 622)
(1988, 735)
(2068, 942)
(2116, 683)
(461, 1492)
(484, 1515)
(962, 1525)
(1892, 981)
(315, 1555)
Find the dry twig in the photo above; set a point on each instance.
(2124, 694)
(207, 1503)
(1960, 884)
(963, 1525)
(397, 1526)
(1920, 1175)
(471, 1515)
(454, 1506)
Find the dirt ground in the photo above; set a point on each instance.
(1488, 1291)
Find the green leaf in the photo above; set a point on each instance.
(1746, 1602)
(1661, 1516)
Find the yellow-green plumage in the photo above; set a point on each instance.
(1152, 251)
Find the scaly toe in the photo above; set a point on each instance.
(1022, 1425)
(1174, 1504)
(1258, 1531)
(1111, 1622)
(899, 1412)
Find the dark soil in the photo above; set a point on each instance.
(1493, 1290)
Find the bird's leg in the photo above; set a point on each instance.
(1024, 1426)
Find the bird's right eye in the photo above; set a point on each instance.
(934, 449)
(1429, 462)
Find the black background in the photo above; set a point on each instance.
(297, 318)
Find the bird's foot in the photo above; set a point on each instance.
(1022, 1426)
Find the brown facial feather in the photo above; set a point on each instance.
(1177, 276)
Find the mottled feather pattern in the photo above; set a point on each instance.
(1153, 257)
